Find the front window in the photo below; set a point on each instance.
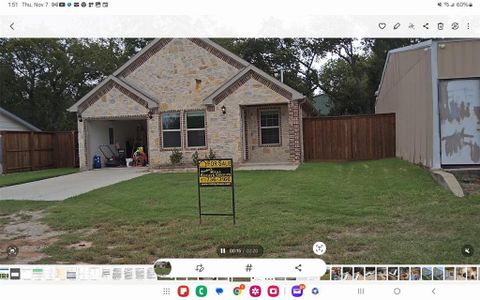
(270, 127)
(171, 134)
(195, 129)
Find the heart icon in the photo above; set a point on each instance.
(382, 25)
(69, 4)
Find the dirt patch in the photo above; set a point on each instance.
(80, 245)
(349, 233)
(471, 187)
(26, 231)
(469, 180)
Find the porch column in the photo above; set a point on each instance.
(294, 131)
(153, 125)
(82, 149)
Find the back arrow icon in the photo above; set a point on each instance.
(11, 25)
(433, 291)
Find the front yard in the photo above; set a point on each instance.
(385, 211)
(24, 177)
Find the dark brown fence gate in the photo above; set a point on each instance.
(26, 150)
(349, 137)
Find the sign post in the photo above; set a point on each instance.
(215, 173)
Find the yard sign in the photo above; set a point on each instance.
(215, 173)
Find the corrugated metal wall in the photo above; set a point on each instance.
(407, 91)
(458, 59)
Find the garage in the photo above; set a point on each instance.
(117, 139)
(114, 120)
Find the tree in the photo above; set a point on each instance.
(41, 78)
(346, 86)
(347, 70)
(271, 55)
(378, 50)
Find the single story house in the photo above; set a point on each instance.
(192, 95)
(11, 122)
(434, 89)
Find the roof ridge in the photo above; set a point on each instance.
(226, 84)
(133, 87)
(98, 87)
(295, 95)
(14, 117)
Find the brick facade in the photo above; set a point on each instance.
(294, 125)
(115, 103)
(180, 74)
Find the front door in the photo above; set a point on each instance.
(460, 121)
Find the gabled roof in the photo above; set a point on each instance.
(159, 43)
(216, 96)
(154, 46)
(151, 102)
(150, 47)
(17, 119)
(420, 45)
(222, 50)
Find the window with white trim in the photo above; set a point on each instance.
(270, 127)
(171, 131)
(195, 123)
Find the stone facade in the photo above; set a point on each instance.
(179, 74)
(153, 136)
(82, 143)
(250, 96)
(114, 104)
(262, 153)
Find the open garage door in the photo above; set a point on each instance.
(122, 137)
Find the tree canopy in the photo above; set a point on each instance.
(41, 78)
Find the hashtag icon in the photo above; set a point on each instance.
(248, 267)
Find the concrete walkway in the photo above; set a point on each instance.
(63, 187)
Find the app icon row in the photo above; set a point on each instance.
(297, 290)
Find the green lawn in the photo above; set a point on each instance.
(24, 177)
(386, 211)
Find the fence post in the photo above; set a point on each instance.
(73, 148)
(55, 152)
(4, 153)
(348, 139)
(30, 152)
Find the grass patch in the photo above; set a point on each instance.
(8, 207)
(385, 211)
(24, 177)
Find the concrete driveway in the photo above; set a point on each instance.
(63, 187)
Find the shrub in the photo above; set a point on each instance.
(176, 157)
(211, 154)
(195, 158)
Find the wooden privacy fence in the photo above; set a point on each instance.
(349, 137)
(28, 150)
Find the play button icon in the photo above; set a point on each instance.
(467, 250)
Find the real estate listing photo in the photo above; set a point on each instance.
(371, 146)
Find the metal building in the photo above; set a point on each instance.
(434, 89)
